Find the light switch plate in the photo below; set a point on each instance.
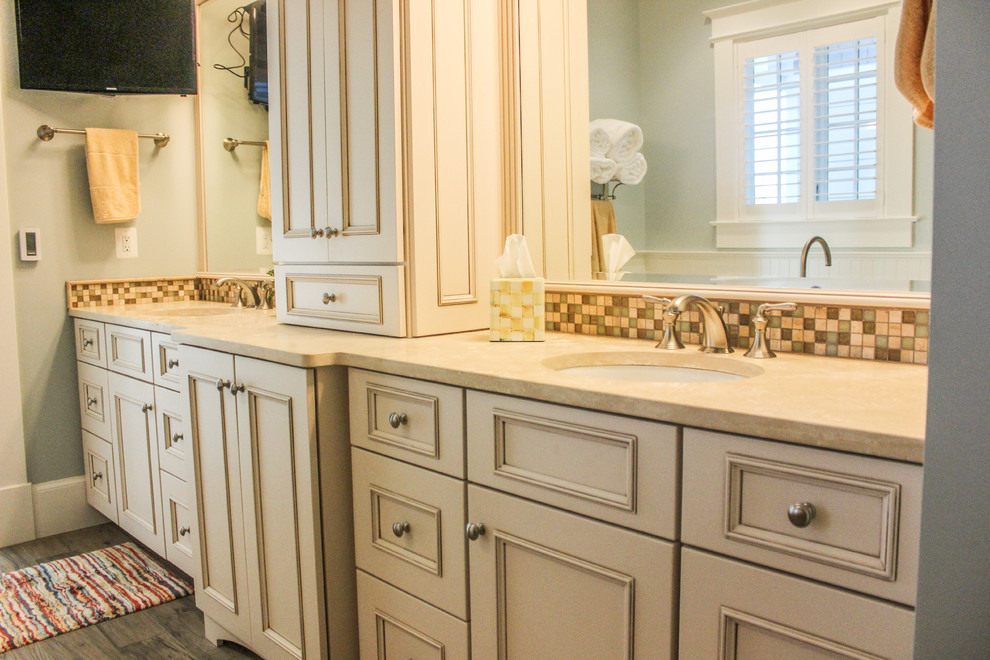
(30, 240)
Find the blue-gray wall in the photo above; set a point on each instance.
(953, 615)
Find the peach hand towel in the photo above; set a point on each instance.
(914, 59)
(602, 222)
(265, 186)
(112, 164)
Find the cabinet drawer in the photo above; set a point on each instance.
(396, 626)
(857, 518)
(129, 351)
(172, 438)
(101, 488)
(180, 522)
(412, 420)
(356, 298)
(409, 529)
(91, 345)
(738, 611)
(618, 469)
(165, 361)
(93, 400)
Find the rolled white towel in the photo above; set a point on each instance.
(631, 171)
(626, 138)
(600, 141)
(602, 169)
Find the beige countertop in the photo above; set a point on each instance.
(859, 406)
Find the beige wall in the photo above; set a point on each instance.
(47, 189)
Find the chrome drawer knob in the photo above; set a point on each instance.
(329, 298)
(176, 437)
(173, 363)
(87, 342)
(801, 514)
(401, 528)
(146, 407)
(395, 420)
(221, 383)
(183, 531)
(474, 531)
(97, 475)
(92, 401)
(330, 232)
(234, 389)
(315, 233)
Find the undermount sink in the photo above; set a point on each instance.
(200, 311)
(658, 367)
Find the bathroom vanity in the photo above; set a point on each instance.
(446, 496)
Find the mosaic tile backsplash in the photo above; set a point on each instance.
(893, 335)
(857, 332)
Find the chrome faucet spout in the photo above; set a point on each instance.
(807, 248)
(714, 334)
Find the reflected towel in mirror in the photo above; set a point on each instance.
(632, 171)
(602, 169)
(626, 138)
(602, 222)
(601, 142)
(265, 186)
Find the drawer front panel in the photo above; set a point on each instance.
(91, 346)
(101, 483)
(165, 361)
(172, 436)
(854, 523)
(129, 351)
(617, 469)
(180, 522)
(412, 420)
(736, 611)
(409, 529)
(396, 626)
(93, 400)
(358, 298)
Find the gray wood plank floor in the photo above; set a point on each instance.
(171, 630)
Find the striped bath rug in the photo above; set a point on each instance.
(56, 597)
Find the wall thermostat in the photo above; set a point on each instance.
(30, 244)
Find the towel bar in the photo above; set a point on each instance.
(232, 143)
(46, 133)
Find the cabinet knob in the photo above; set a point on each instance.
(315, 233)
(401, 528)
(801, 514)
(92, 401)
(172, 363)
(329, 298)
(474, 531)
(331, 232)
(97, 475)
(176, 437)
(221, 383)
(183, 531)
(395, 420)
(146, 407)
(234, 389)
(87, 342)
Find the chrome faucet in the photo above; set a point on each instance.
(714, 335)
(246, 292)
(807, 248)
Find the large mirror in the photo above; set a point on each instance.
(236, 237)
(652, 63)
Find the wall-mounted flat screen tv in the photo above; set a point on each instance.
(107, 46)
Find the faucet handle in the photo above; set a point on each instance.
(761, 347)
(663, 303)
(670, 340)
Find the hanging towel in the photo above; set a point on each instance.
(632, 171)
(112, 165)
(914, 59)
(602, 222)
(265, 186)
(626, 138)
(602, 169)
(601, 142)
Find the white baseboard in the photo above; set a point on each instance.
(16, 515)
(60, 506)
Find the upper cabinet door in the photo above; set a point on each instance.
(298, 39)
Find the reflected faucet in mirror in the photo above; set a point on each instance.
(807, 248)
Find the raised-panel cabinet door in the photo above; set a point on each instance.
(553, 585)
(302, 38)
(132, 406)
(277, 430)
(215, 479)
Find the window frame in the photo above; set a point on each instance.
(742, 31)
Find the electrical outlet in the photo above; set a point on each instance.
(125, 239)
(263, 240)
